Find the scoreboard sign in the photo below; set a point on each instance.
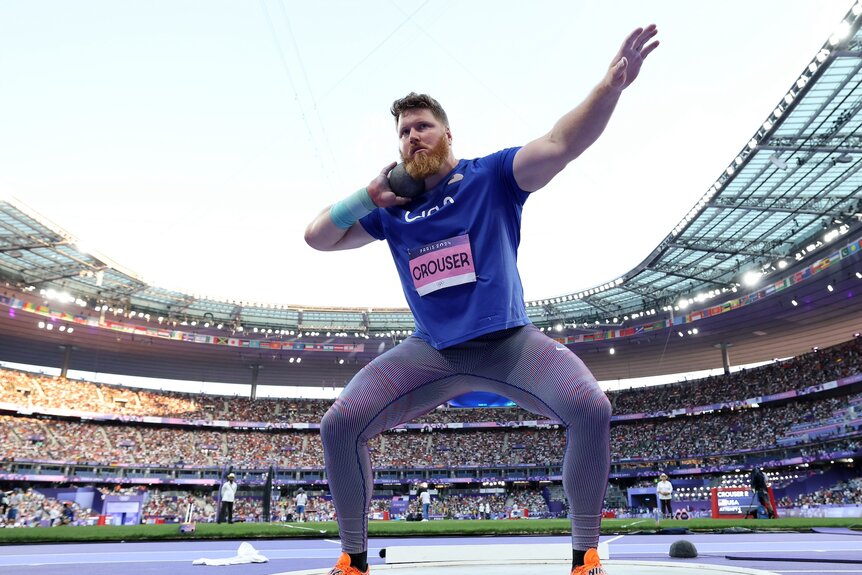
(735, 502)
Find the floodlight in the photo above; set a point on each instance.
(751, 278)
(840, 34)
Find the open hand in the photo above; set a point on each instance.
(626, 65)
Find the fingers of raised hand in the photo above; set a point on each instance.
(639, 40)
(649, 48)
(631, 41)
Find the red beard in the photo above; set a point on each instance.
(421, 166)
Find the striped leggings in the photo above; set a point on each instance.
(413, 378)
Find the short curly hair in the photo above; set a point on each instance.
(413, 101)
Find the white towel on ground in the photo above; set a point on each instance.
(245, 554)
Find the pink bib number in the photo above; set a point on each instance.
(442, 264)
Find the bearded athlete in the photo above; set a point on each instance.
(455, 249)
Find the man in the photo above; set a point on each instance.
(228, 494)
(68, 516)
(761, 489)
(425, 499)
(300, 501)
(664, 491)
(16, 501)
(455, 249)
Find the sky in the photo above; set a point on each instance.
(191, 142)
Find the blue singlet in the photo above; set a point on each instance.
(456, 251)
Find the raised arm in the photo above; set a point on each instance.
(539, 161)
(337, 227)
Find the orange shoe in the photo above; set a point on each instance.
(343, 567)
(591, 566)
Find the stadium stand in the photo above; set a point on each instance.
(158, 443)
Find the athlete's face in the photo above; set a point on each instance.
(423, 143)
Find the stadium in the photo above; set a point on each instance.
(764, 271)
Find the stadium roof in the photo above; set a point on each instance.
(791, 190)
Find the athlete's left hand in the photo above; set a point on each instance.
(626, 65)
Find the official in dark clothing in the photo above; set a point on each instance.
(758, 484)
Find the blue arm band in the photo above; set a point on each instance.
(348, 211)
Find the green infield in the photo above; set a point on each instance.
(403, 529)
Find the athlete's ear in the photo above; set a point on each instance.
(449, 135)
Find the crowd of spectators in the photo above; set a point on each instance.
(35, 391)
(32, 390)
(177, 505)
(696, 437)
(796, 373)
(30, 508)
(518, 503)
(843, 493)
(717, 433)
(174, 505)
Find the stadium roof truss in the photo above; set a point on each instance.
(793, 188)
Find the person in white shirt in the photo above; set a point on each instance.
(301, 499)
(228, 494)
(425, 498)
(664, 490)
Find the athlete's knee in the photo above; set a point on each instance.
(592, 405)
(599, 410)
(342, 422)
(335, 426)
(604, 405)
